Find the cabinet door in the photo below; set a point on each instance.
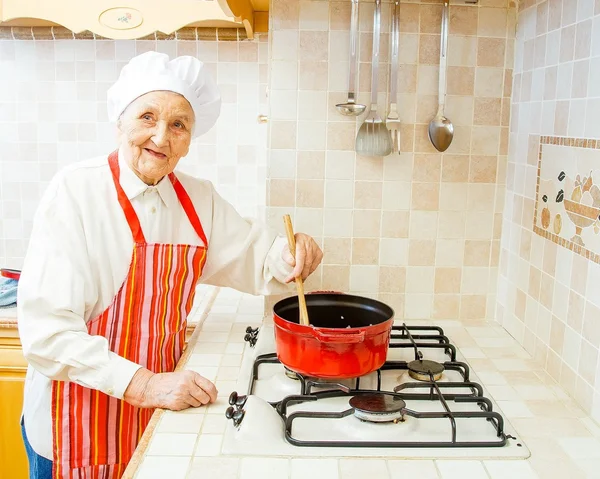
(13, 460)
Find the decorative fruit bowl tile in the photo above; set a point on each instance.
(567, 207)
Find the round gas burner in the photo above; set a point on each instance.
(422, 369)
(378, 407)
(291, 374)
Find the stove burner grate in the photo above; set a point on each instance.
(378, 407)
(425, 370)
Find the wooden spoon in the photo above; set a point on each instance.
(289, 229)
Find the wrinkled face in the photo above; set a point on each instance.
(155, 131)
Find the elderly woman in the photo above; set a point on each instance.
(118, 246)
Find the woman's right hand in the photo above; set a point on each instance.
(176, 391)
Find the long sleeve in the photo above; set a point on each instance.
(55, 291)
(244, 254)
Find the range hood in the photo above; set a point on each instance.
(131, 19)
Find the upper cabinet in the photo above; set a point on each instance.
(131, 19)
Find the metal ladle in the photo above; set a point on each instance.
(441, 130)
(351, 108)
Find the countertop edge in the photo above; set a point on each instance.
(140, 451)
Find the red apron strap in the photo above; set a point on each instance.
(132, 219)
(188, 207)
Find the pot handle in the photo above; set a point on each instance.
(348, 338)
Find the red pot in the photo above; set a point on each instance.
(348, 336)
(10, 273)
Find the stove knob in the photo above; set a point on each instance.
(249, 329)
(236, 415)
(236, 400)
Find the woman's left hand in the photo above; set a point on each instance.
(308, 257)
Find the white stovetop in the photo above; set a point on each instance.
(563, 441)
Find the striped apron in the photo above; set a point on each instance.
(94, 434)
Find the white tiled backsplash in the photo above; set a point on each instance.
(53, 112)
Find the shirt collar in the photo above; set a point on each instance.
(133, 186)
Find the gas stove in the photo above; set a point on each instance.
(424, 402)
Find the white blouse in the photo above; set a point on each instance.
(79, 255)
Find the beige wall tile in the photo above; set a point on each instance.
(472, 306)
(311, 164)
(310, 193)
(310, 221)
(368, 194)
(459, 108)
(591, 325)
(461, 81)
(282, 192)
(336, 250)
(489, 82)
(337, 223)
(336, 278)
(448, 280)
(313, 46)
(462, 51)
(409, 18)
(430, 19)
(393, 252)
(588, 361)
(283, 134)
(557, 335)
(492, 22)
(487, 111)
(463, 20)
(366, 224)
(483, 169)
(419, 279)
(453, 196)
(339, 15)
(339, 194)
(429, 49)
(425, 196)
(575, 311)
(455, 168)
(427, 106)
(368, 168)
(477, 253)
(365, 251)
(285, 14)
(449, 252)
(427, 168)
(446, 306)
(481, 197)
(392, 279)
(490, 52)
(309, 75)
(340, 136)
(364, 278)
(395, 224)
(421, 252)
(423, 224)
(396, 195)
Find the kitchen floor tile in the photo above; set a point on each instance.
(180, 423)
(492, 379)
(420, 469)
(581, 447)
(209, 445)
(515, 408)
(264, 468)
(513, 469)
(354, 468)
(315, 469)
(213, 467)
(200, 359)
(169, 444)
(159, 467)
(461, 470)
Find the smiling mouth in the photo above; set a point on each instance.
(155, 154)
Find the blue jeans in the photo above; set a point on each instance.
(39, 466)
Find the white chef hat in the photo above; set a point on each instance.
(152, 71)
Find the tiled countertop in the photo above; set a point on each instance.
(564, 443)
